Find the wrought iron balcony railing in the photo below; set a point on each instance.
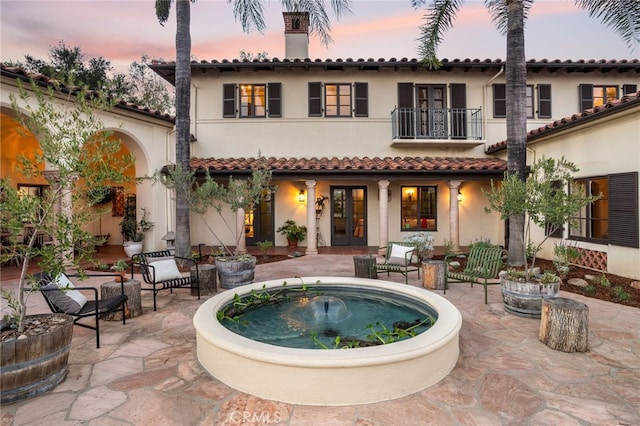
(434, 123)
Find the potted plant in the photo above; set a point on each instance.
(234, 268)
(35, 349)
(320, 200)
(120, 267)
(432, 270)
(549, 198)
(133, 232)
(293, 232)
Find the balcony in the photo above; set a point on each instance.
(453, 125)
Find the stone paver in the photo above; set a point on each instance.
(147, 373)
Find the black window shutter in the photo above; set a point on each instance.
(274, 91)
(362, 99)
(586, 96)
(315, 99)
(623, 209)
(544, 101)
(628, 89)
(458, 92)
(406, 119)
(499, 100)
(228, 100)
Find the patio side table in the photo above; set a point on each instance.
(132, 307)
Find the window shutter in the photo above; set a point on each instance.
(315, 99)
(544, 101)
(406, 118)
(499, 100)
(228, 100)
(274, 91)
(586, 96)
(623, 209)
(458, 93)
(362, 99)
(628, 89)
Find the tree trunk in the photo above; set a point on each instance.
(183, 133)
(516, 85)
(564, 325)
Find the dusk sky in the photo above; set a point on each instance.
(123, 31)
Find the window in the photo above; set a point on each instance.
(613, 219)
(338, 99)
(543, 106)
(419, 208)
(529, 101)
(252, 100)
(255, 100)
(595, 95)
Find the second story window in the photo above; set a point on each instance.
(592, 95)
(252, 100)
(338, 99)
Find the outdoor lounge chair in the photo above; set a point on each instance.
(401, 257)
(160, 270)
(63, 297)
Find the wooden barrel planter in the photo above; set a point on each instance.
(38, 363)
(525, 298)
(235, 273)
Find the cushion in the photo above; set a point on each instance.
(63, 296)
(166, 270)
(398, 254)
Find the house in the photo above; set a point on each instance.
(395, 147)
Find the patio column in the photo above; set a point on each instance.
(383, 200)
(241, 236)
(312, 225)
(454, 216)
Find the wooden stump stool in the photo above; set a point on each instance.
(433, 274)
(133, 305)
(208, 279)
(564, 324)
(365, 266)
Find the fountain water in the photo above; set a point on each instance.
(308, 376)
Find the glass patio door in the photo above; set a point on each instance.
(258, 223)
(348, 216)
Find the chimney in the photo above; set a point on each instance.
(296, 35)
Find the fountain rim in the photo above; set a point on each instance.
(208, 327)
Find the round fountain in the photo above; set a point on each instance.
(335, 376)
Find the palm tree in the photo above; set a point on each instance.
(509, 16)
(251, 15)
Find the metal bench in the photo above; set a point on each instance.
(483, 264)
(401, 257)
(159, 269)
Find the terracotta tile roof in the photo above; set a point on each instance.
(43, 80)
(167, 68)
(613, 107)
(359, 165)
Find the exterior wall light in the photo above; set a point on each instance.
(459, 196)
(301, 197)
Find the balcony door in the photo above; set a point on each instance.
(348, 216)
(432, 112)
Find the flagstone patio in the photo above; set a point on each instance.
(146, 372)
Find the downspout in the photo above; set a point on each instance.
(484, 101)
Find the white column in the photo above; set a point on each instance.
(312, 225)
(240, 235)
(454, 216)
(383, 206)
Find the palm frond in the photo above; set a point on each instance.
(162, 10)
(250, 13)
(319, 22)
(438, 20)
(498, 12)
(623, 16)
